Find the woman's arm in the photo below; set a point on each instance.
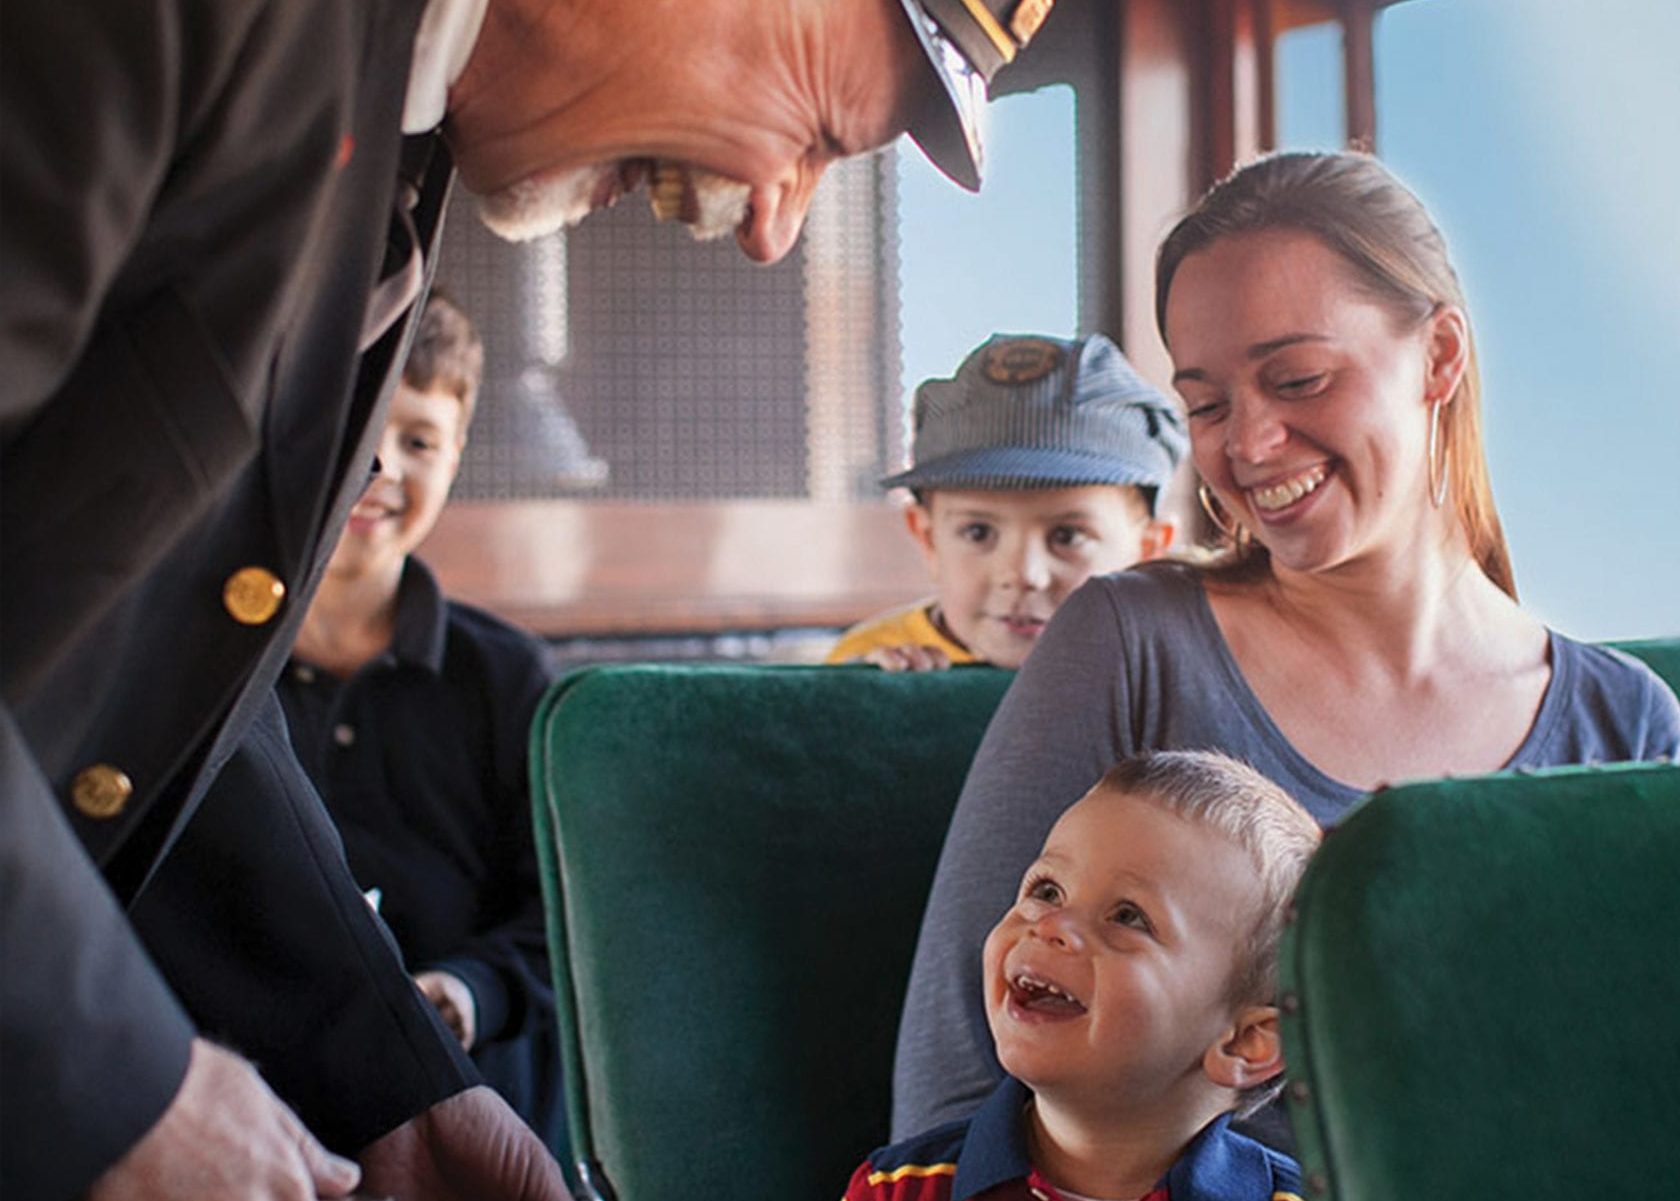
(1062, 724)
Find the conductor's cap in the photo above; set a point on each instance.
(966, 42)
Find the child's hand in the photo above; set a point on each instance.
(453, 1000)
(908, 657)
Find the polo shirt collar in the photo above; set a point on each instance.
(1216, 1165)
(995, 1148)
(422, 622)
(1219, 1164)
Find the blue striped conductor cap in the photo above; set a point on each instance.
(1025, 411)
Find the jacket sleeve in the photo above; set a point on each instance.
(93, 1046)
(258, 924)
(1060, 726)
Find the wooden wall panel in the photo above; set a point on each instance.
(563, 568)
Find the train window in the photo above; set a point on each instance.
(1311, 109)
(1002, 260)
(671, 439)
(1542, 137)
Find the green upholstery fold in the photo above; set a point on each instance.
(1482, 991)
(735, 862)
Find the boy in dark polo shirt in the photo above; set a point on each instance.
(1129, 994)
(410, 712)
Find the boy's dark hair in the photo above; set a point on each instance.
(1278, 834)
(448, 354)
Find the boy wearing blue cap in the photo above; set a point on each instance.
(1036, 466)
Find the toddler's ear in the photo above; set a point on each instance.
(1249, 1052)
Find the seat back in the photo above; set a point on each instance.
(1481, 991)
(735, 863)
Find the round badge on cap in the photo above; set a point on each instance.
(1021, 361)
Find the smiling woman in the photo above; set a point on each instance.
(1361, 628)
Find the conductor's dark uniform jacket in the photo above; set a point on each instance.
(200, 221)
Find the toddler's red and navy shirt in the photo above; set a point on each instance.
(985, 1157)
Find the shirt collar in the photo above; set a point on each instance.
(1217, 1164)
(422, 624)
(448, 31)
(1221, 1163)
(995, 1148)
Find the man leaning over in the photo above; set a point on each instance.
(214, 231)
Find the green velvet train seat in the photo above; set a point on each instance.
(737, 859)
(1482, 991)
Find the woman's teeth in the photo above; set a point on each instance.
(1276, 496)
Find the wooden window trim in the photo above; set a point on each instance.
(563, 568)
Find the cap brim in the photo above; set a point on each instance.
(1024, 467)
(948, 129)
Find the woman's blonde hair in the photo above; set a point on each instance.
(1351, 203)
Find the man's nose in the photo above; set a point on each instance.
(778, 214)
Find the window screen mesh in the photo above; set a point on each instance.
(626, 361)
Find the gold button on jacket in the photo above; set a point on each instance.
(100, 790)
(252, 595)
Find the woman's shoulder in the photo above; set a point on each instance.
(1144, 617)
(1617, 693)
(1162, 598)
(1164, 583)
(1607, 667)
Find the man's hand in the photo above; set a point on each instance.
(469, 1147)
(454, 1002)
(908, 657)
(225, 1135)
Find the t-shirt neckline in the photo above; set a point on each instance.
(1545, 718)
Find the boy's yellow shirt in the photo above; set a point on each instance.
(912, 625)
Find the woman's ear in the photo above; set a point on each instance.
(1249, 1052)
(1448, 347)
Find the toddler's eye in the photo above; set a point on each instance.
(1128, 914)
(977, 532)
(1042, 888)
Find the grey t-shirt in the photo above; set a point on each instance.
(1135, 661)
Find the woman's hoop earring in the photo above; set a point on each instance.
(1233, 530)
(1437, 474)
